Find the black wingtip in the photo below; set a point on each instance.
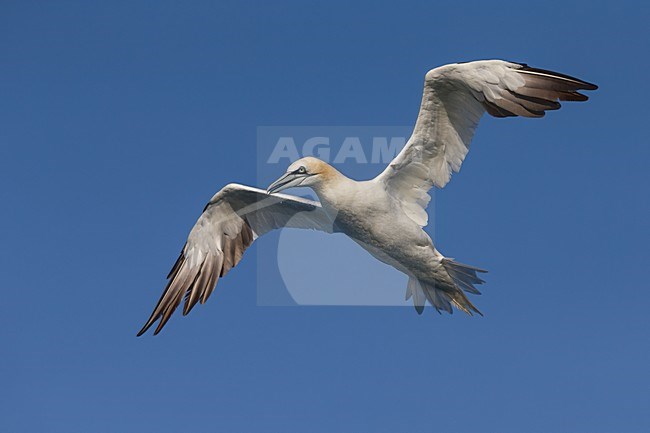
(146, 327)
(584, 85)
(142, 331)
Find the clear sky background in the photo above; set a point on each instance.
(119, 121)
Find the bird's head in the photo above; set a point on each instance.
(308, 171)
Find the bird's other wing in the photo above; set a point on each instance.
(229, 224)
(454, 99)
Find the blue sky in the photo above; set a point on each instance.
(121, 119)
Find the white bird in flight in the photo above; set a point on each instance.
(384, 215)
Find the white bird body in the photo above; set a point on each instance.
(384, 215)
(365, 212)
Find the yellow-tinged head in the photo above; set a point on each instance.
(307, 171)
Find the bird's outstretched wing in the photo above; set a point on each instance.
(230, 222)
(454, 99)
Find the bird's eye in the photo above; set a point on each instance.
(302, 170)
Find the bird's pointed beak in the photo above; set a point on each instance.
(287, 181)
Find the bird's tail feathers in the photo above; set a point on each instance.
(444, 296)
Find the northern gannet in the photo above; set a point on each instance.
(385, 215)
